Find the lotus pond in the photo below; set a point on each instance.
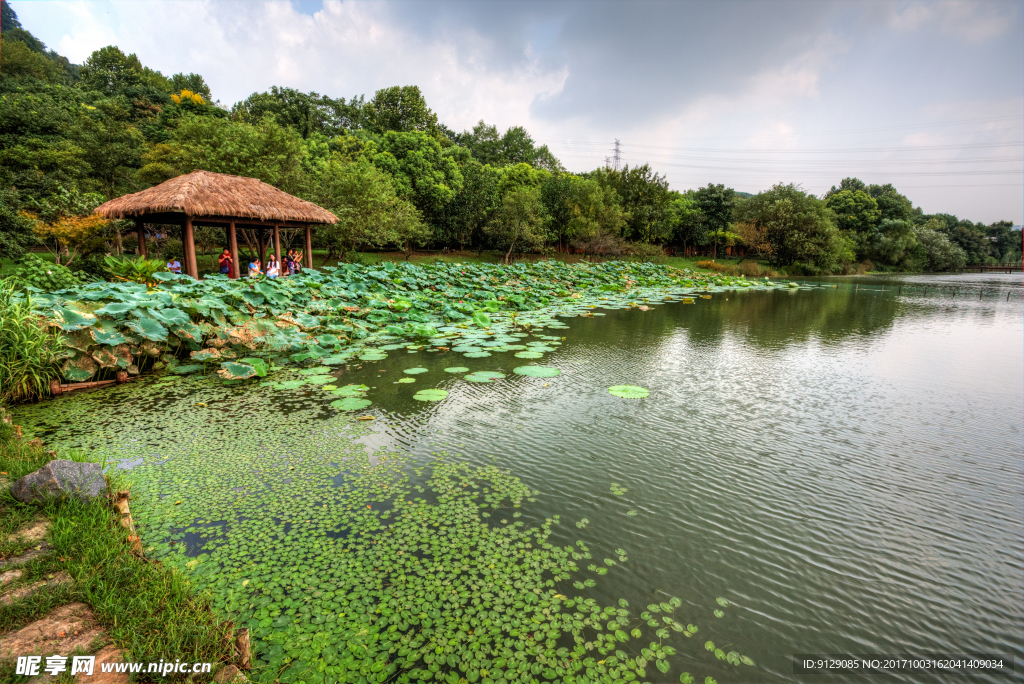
(670, 491)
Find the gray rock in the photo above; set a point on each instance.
(61, 478)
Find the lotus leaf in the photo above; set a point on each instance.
(415, 371)
(528, 355)
(484, 376)
(430, 395)
(628, 391)
(149, 328)
(456, 369)
(73, 320)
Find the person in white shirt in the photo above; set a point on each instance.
(273, 267)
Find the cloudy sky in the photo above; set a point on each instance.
(926, 95)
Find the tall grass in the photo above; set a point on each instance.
(28, 350)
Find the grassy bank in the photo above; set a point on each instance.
(146, 608)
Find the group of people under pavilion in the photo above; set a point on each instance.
(218, 199)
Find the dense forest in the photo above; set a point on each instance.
(73, 136)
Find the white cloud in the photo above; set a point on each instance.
(970, 20)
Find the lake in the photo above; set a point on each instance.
(842, 465)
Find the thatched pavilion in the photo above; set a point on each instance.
(218, 199)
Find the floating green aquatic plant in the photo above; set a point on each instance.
(484, 376)
(537, 371)
(430, 395)
(337, 313)
(350, 403)
(628, 391)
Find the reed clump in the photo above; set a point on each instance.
(29, 349)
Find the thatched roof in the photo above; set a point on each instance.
(204, 193)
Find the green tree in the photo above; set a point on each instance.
(856, 211)
(401, 109)
(19, 61)
(111, 72)
(16, 235)
(798, 227)
(935, 251)
(892, 205)
(1005, 242)
(515, 176)
(369, 210)
(112, 147)
(686, 221)
(644, 197)
(192, 82)
(422, 173)
(518, 222)
(857, 215)
(515, 146)
(306, 113)
(895, 244)
(716, 204)
(847, 185)
(459, 221)
(264, 150)
(8, 18)
(578, 208)
(37, 154)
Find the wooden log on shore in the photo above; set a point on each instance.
(242, 654)
(57, 388)
(121, 506)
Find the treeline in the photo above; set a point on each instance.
(73, 136)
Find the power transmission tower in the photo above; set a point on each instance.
(617, 157)
(607, 162)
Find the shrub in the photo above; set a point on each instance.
(712, 266)
(45, 275)
(133, 269)
(171, 247)
(644, 251)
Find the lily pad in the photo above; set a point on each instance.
(350, 403)
(528, 355)
(350, 391)
(430, 395)
(537, 371)
(628, 391)
(415, 371)
(406, 380)
(484, 376)
(477, 355)
(456, 369)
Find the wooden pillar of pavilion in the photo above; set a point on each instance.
(189, 242)
(277, 244)
(233, 248)
(140, 230)
(309, 248)
(261, 247)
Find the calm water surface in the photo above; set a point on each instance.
(843, 464)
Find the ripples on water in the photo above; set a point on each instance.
(845, 467)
